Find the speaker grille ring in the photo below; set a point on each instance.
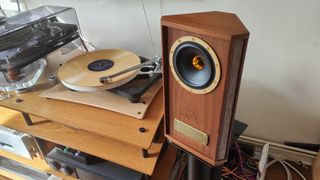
(194, 65)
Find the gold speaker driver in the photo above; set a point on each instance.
(83, 72)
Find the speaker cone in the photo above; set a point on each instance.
(194, 65)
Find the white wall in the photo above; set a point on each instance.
(279, 96)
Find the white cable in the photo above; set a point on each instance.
(288, 164)
(148, 26)
(296, 170)
(265, 170)
(289, 175)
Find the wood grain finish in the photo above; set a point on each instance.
(106, 123)
(211, 113)
(3, 177)
(100, 146)
(10, 175)
(219, 25)
(105, 100)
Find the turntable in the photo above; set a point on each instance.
(116, 70)
(113, 79)
(30, 40)
(120, 125)
(25, 39)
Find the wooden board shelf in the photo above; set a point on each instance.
(10, 175)
(100, 146)
(106, 123)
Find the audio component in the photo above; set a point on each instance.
(20, 170)
(18, 143)
(203, 55)
(84, 166)
(27, 38)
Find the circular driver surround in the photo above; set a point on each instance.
(194, 65)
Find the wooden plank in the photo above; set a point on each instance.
(100, 146)
(3, 177)
(10, 175)
(106, 123)
(105, 100)
(35, 163)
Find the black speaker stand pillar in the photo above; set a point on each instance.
(197, 169)
(200, 170)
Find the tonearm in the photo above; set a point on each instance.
(108, 79)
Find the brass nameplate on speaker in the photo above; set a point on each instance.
(191, 132)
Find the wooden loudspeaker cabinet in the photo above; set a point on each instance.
(203, 55)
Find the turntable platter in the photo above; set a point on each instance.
(83, 72)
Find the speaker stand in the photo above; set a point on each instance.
(197, 169)
(200, 170)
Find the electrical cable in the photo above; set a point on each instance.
(227, 173)
(149, 29)
(18, 4)
(84, 44)
(233, 174)
(265, 170)
(240, 160)
(292, 167)
(237, 163)
(296, 170)
(289, 175)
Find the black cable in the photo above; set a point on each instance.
(84, 44)
(18, 4)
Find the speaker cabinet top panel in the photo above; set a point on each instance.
(215, 24)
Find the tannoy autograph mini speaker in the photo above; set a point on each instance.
(203, 55)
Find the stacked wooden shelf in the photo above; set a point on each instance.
(105, 148)
(106, 123)
(10, 175)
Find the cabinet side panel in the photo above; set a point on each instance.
(231, 93)
(165, 68)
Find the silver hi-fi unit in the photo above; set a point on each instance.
(18, 143)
